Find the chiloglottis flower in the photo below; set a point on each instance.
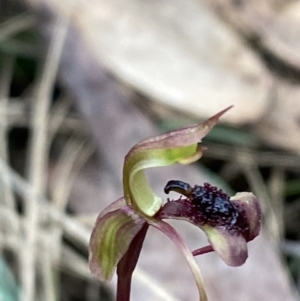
(120, 229)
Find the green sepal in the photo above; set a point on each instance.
(137, 190)
(180, 146)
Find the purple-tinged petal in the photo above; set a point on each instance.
(231, 247)
(179, 146)
(249, 205)
(179, 242)
(110, 239)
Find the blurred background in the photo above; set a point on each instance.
(83, 81)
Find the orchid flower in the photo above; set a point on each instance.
(120, 229)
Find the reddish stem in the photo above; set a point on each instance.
(128, 263)
(203, 250)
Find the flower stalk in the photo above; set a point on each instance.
(128, 263)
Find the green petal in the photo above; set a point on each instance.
(110, 239)
(179, 146)
(231, 247)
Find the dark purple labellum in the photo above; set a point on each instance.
(206, 205)
(213, 205)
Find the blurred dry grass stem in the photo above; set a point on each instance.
(39, 249)
(15, 25)
(38, 158)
